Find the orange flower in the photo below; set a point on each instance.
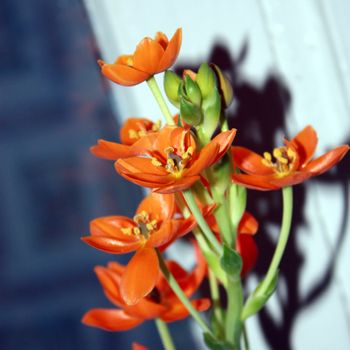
(150, 57)
(292, 164)
(131, 132)
(160, 303)
(245, 244)
(173, 162)
(153, 226)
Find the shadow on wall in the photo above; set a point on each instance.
(259, 114)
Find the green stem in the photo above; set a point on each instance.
(181, 295)
(234, 309)
(152, 83)
(287, 193)
(245, 338)
(215, 297)
(164, 334)
(191, 202)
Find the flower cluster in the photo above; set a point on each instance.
(198, 183)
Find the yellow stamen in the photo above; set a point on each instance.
(285, 158)
(126, 230)
(130, 61)
(136, 231)
(156, 125)
(133, 134)
(156, 162)
(267, 156)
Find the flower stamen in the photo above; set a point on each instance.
(144, 227)
(285, 158)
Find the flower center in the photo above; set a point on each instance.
(145, 226)
(285, 158)
(142, 131)
(175, 163)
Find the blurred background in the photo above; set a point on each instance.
(289, 65)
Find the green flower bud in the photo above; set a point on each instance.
(211, 108)
(206, 79)
(225, 86)
(189, 112)
(192, 91)
(171, 86)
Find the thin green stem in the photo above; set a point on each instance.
(234, 309)
(152, 83)
(215, 297)
(287, 193)
(245, 337)
(181, 295)
(191, 202)
(164, 334)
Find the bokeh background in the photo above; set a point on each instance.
(289, 65)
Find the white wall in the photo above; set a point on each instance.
(307, 44)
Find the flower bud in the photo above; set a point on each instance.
(189, 112)
(205, 79)
(225, 86)
(211, 108)
(192, 91)
(171, 86)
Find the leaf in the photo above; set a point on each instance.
(259, 297)
(231, 262)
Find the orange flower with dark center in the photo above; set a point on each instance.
(288, 165)
(154, 225)
(151, 56)
(131, 132)
(173, 162)
(160, 303)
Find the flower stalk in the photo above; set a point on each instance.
(153, 85)
(181, 295)
(164, 334)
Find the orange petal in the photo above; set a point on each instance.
(159, 206)
(249, 161)
(110, 284)
(140, 276)
(145, 180)
(141, 165)
(110, 226)
(136, 124)
(147, 56)
(270, 182)
(124, 75)
(171, 52)
(291, 179)
(162, 40)
(207, 156)
(224, 140)
(248, 224)
(248, 250)
(111, 245)
(165, 234)
(115, 267)
(178, 311)
(110, 319)
(304, 144)
(145, 309)
(176, 186)
(327, 160)
(254, 182)
(137, 346)
(110, 150)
